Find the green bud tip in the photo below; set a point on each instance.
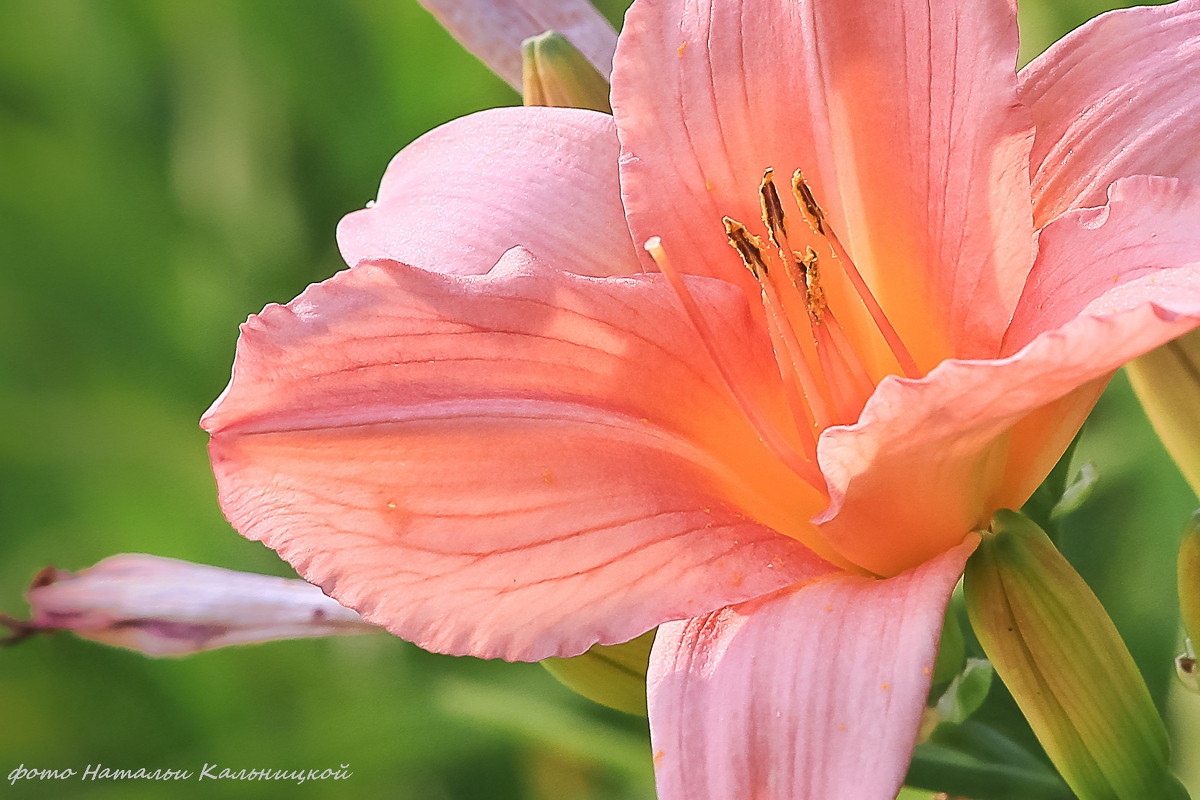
(555, 73)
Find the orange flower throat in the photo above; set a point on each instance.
(825, 375)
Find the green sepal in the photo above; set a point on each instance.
(555, 73)
(1060, 655)
(612, 675)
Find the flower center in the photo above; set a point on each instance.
(823, 361)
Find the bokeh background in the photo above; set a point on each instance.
(168, 167)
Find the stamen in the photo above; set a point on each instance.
(816, 220)
(750, 248)
(748, 245)
(812, 284)
(837, 356)
(857, 369)
(777, 315)
(772, 210)
(813, 213)
(787, 362)
(767, 433)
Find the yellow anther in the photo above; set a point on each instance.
(772, 209)
(748, 246)
(814, 292)
(808, 204)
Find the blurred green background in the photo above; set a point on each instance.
(166, 169)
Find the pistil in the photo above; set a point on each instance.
(768, 433)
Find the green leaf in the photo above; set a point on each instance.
(1075, 495)
(966, 692)
(973, 760)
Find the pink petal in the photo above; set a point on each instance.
(999, 426)
(813, 692)
(460, 196)
(494, 29)
(166, 607)
(1143, 246)
(932, 458)
(519, 465)
(903, 115)
(1120, 96)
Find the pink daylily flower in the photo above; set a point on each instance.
(509, 430)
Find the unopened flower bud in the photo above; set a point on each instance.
(166, 607)
(1060, 655)
(612, 675)
(556, 74)
(1167, 382)
(1189, 603)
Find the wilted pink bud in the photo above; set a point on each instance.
(167, 607)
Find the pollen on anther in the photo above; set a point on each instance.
(748, 246)
(813, 212)
(812, 281)
(772, 209)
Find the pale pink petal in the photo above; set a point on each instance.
(932, 458)
(518, 465)
(166, 607)
(813, 692)
(494, 29)
(902, 114)
(1143, 246)
(1120, 96)
(460, 196)
(998, 427)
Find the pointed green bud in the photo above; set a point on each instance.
(1189, 603)
(1167, 381)
(966, 692)
(612, 675)
(1060, 655)
(555, 73)
(1077, 493)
